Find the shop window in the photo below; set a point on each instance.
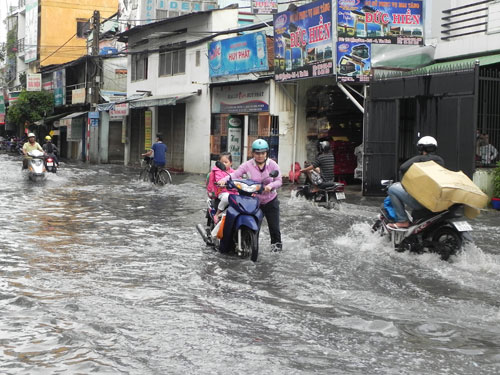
(172, 62)
(139, 67)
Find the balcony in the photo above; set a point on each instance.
(478, 17)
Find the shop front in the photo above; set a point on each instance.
(240, 115)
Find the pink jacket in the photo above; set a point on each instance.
(217, 174)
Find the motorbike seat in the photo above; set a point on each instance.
(330, 185)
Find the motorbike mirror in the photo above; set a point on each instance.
(386, 182)
(220, 165)
(274, 174)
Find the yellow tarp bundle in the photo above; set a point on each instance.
(437, 188)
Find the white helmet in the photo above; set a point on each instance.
(31, 135)
(427, 144)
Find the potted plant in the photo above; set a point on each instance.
(495, 201)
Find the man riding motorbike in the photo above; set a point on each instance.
(325, 161)
(399, 196)
(51, 149)
(28, 147)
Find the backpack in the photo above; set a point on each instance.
(316, 178)
(211, 186)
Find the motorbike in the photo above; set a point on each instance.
(36, 166)
(50, 164)
(330, 194)
(240, 222)
(442, 232)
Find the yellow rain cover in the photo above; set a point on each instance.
(437, 188)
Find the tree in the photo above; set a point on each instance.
(31, 106)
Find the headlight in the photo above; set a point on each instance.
(247, 188)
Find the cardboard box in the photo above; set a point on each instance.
(437, 188)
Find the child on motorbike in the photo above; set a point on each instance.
(216, 191)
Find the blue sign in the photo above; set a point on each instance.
(353, 62)
(383, 22)
(303, 42)
(243, 54)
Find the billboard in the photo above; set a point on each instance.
(33, 82)
(264, 7)
(59, 79)
(353, 62)
(31, 31)
(253, 97)
(242, 54)
(303, 42)
(383, 22)
(2, 110)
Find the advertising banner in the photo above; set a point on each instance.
(243, 54)
(241, 98)
(148, 125)
(353, 62)
(78, 96)
(31, 31)
(2, 110)
(59, 79)
(383, 22)
(119, 111)
(303, 42)
(264, 7)
(33, 82)
(234, 131)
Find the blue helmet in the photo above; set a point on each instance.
(260, 145)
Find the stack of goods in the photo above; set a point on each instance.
(345, 160)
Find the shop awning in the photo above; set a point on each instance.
(70, 117)
(159, 100)
(50, 118)
(460, 64)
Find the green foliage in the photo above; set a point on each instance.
(31, 106)
(496, 181)
(11, 44)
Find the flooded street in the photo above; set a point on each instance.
(102, 273)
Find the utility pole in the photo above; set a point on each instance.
(96, 81)
(92, 144)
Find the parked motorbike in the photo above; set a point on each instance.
(36, 166)
(240, 222)
(330, 194)
(50, 164)
(436, 232)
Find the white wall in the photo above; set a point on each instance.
(198, 109)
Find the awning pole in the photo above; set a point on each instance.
(349, 95)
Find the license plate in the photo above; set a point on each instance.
(49, 164)
(340, 195)
(462, 226)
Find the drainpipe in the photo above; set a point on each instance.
(349, 95)
(294, 150)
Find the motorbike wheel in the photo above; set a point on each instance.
(448, 241)
(378, 227)
(249, 243)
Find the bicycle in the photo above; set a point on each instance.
(161, 177)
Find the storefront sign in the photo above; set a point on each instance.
(241, 98)
(59, 79)
(31, 31)
(383, 22)
(353, 62)
(33, 82)
(148, 122)
(303, 42)
(119, 111)
(78, 96)
(264, 7)
(2, 110)
(235, 125)
(243, 54)
(13, 96)
(48, 86)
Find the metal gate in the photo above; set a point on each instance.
(442, 104)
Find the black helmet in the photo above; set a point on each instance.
(324, 146)
(427, 144)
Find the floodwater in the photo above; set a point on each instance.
(101, 273)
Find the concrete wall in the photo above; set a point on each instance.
(58, 23)
(198, 107)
